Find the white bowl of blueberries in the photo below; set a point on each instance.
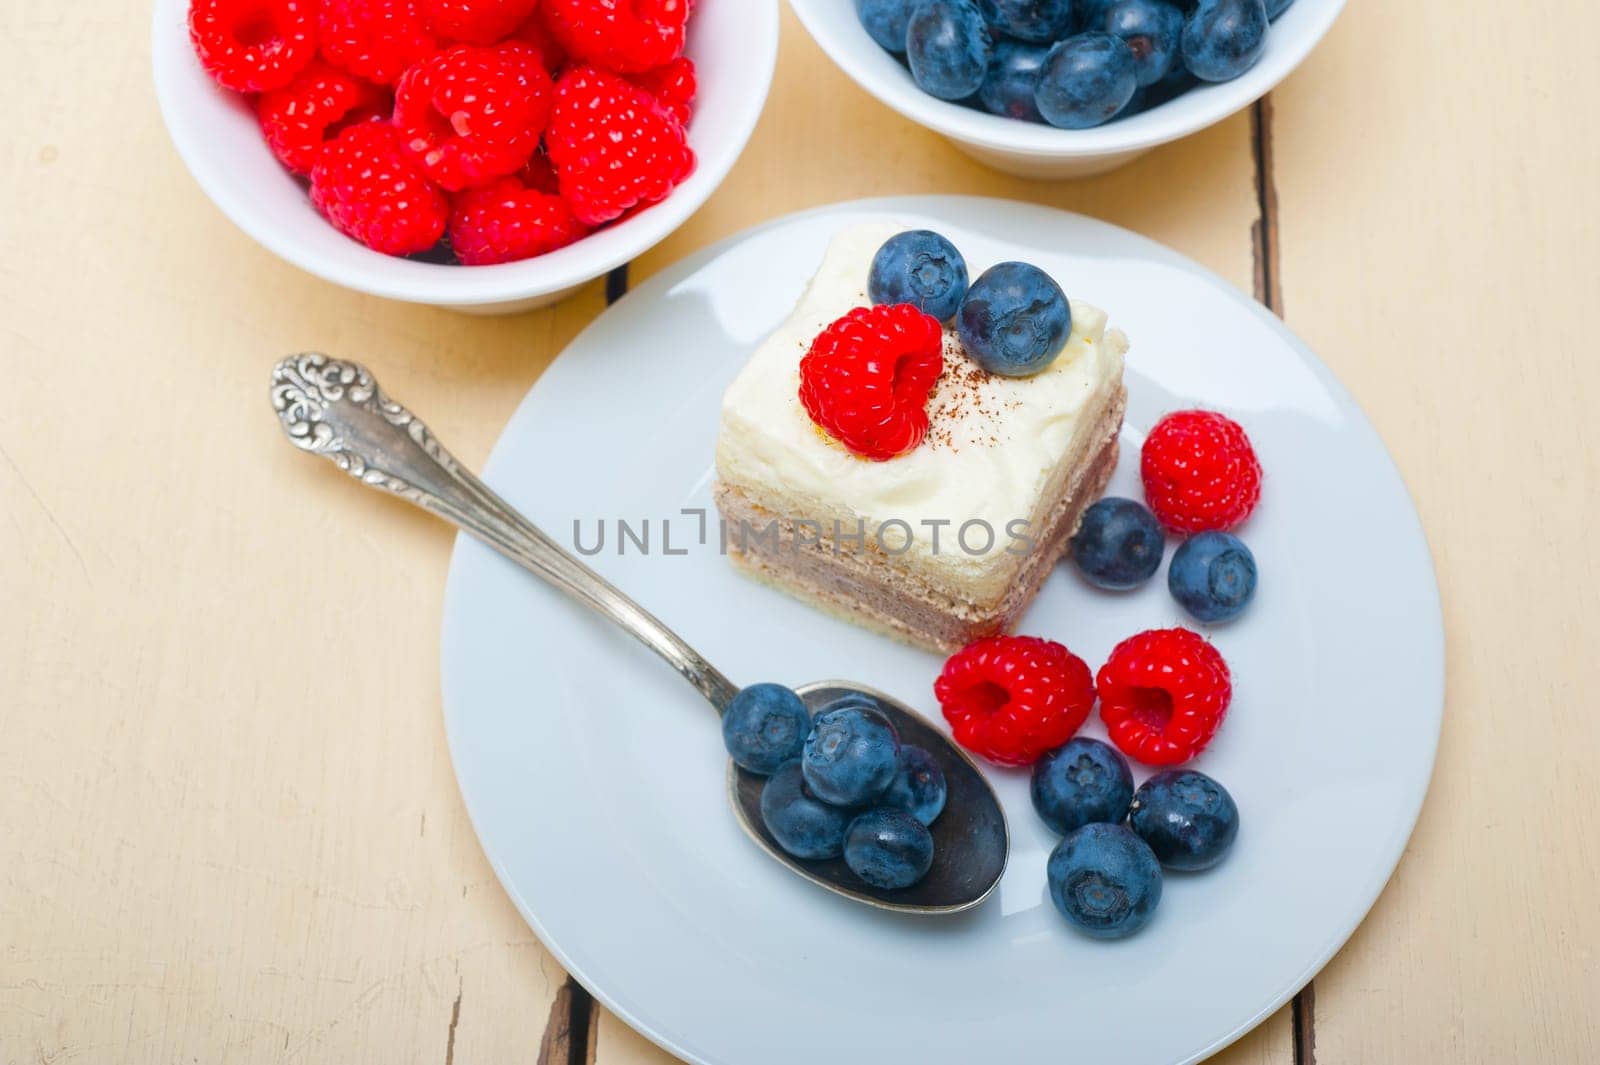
(1066, 88)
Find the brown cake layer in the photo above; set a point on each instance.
(868, 587)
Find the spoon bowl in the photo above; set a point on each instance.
(334, 408)
(970, 840)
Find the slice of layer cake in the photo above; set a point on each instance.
(951, 540)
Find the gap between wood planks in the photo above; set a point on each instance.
(1269, 290)
(1264, 231)
(573, 1016)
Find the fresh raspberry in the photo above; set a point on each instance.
(867, 378)
(614, 147)
(1200, 472)
(370, 189)
(312, 109)
(536, 34)
(376, 39)
(253, 45)
(505, 220)
(1163, 695)
(628, 36)
(476, 21)
(470, 114)
(1012, 698)
(673, 86)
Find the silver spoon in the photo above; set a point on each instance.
(336, 409)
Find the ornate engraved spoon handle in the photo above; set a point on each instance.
(335, 409)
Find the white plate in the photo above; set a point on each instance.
(594, 774)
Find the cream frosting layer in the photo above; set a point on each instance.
(994, 448)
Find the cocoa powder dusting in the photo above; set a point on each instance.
(960, 395)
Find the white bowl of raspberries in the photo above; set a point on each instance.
(484, 155)
(1066, 88)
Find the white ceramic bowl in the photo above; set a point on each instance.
(1037, 151)
(734, 44)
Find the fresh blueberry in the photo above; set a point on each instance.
(885, 21)
(918, 786)
(803, 824)
(857, 701)
(1015, 319)
(1177, 82)
(1188, 819)
(948, 46)
(764, 727)
(1151, 29)
(1086, 80)
(1224, 38)
(1105, 880)
(1079, 783)
(1038, 21)
(1277, 7)
(921, 268)
(1013, 76)
(1118, 544)
(1212, 576)
(850, 757)
(888, 848)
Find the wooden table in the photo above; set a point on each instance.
(230, 831)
